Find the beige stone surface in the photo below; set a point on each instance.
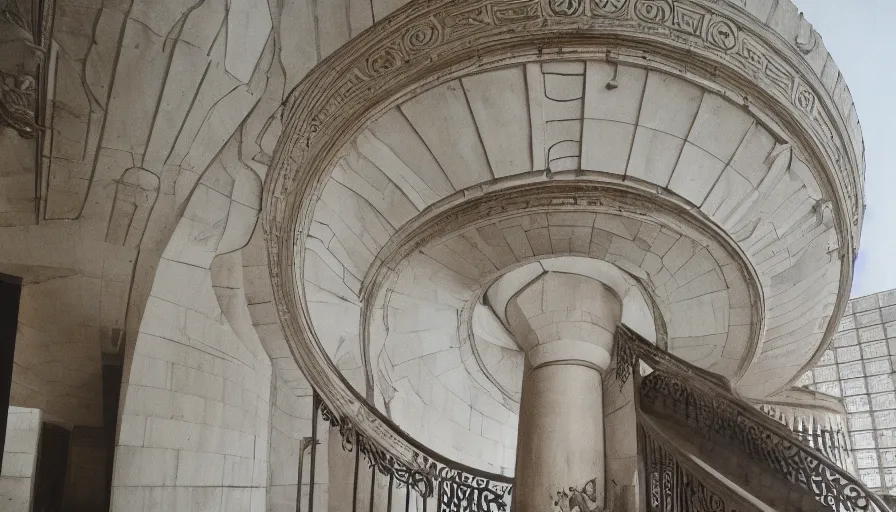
(725, 162)
(20, 452)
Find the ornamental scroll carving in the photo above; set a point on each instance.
(710, 409)
(458, 490)
(21, 55)
(582, 499)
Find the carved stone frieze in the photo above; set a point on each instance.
(21, 54)
(699, 23)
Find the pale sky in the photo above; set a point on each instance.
(859, 35)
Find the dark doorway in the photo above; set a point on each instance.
(10, 293)
(52, 465)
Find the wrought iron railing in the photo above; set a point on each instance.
(454, 487)
(710, 406)
(674, 485)
(705, 401)
(828, 437)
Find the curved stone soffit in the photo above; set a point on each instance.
(426, 43)
(430, 315)
(444, 140)
(448, 276)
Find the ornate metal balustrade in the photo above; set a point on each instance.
(826, 435)
(712, 408)
(706, 402)
(672, 486)
(455, 487)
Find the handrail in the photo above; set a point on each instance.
(672, 479)
(718, 409)
(455, 486)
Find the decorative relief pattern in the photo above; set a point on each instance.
(609, 8)
(21, 55)
(17, 103)
(654, 11)
(567, 7)
(578, 500)
(458, 490)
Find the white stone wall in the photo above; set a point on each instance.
(290, 423)
(19, 459)
(196, 404)
(145, 98)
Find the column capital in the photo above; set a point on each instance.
(562, 318)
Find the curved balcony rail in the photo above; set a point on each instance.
(454, 486)
(710, 406)
(707, 403)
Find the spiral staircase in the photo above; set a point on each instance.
(447, 255)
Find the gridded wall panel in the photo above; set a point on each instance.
(859, 368)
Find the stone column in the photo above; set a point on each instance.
(565, 323)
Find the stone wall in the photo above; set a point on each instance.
(19, 459)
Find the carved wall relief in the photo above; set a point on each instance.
(582, 499)
(23, 46)
(20, 56)
(17, 99)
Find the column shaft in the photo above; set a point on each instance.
(560, 451)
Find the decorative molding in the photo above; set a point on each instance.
(583, 500)
(701, 24)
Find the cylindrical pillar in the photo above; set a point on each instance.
(560, 448)
(565, 323)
